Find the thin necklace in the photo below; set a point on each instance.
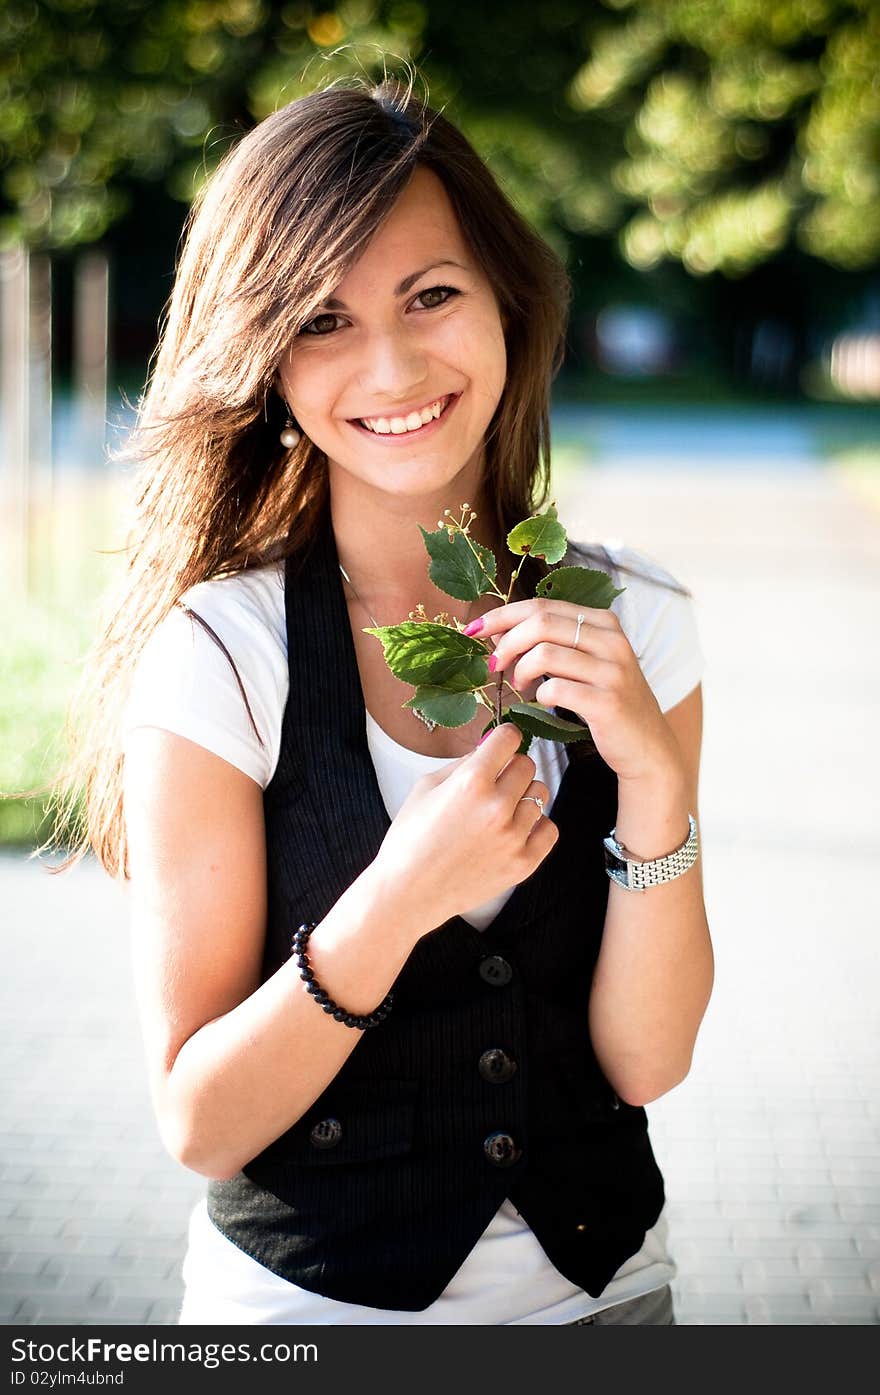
(414, 710)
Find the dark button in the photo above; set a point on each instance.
(496, 1066)
(615, 1102)
(501, 1150)
(495, 970)
(326, 1133)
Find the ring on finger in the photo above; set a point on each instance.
(535, 799)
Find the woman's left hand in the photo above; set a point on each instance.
(600, 680)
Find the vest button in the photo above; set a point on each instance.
(501, 1150)
(496, 1066)
(326, 1133)
(495, 971)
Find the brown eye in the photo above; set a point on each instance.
(314, 326)
(445, 293)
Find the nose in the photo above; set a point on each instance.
(394, 367)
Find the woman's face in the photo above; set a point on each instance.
(403, 338)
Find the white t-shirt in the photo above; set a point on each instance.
(184, 684)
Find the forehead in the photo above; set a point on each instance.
(421, 226)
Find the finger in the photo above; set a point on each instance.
(528, 811)
(504, 617)
(559, 629)
(495, 749)
(515, 780)
(557, 661)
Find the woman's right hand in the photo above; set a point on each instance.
(463, 834)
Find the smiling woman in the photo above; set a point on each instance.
(394, 1007)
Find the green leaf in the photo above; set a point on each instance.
(523, 747)
(454, 569)
(540, 721)
(582, 585)
(446, 708)
(540, 536)
(422, 653)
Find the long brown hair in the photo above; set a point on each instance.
(273, 231)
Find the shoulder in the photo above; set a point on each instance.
(215, 669)
(249, 602)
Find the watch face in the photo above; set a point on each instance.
(617, 864)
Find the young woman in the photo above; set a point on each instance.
(363, 334)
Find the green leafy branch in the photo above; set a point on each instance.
(449, 669)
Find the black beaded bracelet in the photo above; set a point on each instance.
(307, 974)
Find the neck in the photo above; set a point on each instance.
(379, 544)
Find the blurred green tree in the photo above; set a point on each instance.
(744, 125)
(711, 133)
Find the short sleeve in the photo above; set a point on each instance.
(184, 683)
(660, 624)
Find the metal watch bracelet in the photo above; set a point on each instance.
(636, 874)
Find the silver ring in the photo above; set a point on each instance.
(535, 798)
(577, 633)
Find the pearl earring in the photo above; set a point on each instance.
(290, 437)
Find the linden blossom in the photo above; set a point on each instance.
(449, 668)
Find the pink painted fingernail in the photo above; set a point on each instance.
(484, 738)
(492, 662)
(474, 627)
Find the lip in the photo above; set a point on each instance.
(423, 432)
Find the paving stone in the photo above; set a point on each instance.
(714, 1283)
(859, 1214)
(165, 1311)
(693, 1306)
(97, 1246)
(27, 1283)
(847, 1307)
(127, 1286)
(38, 1208)
(63, 1309)
(731, 1318)
(756, 1271)
(780, 1308)
(19, 1262)
(83, 1264)
(28, 1225)
(763, 1247)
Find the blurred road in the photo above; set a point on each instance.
(771, 1148)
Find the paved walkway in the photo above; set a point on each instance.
(771, 1148)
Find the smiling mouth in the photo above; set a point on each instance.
(411, 424)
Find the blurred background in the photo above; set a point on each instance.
(710, 173)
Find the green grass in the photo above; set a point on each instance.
(50, 624)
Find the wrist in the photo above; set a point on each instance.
(652, 815)
(403, 922)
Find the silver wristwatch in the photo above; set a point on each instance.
(636, 875)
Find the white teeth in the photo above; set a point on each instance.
(397, 426)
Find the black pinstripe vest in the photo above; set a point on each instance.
(481, 1085)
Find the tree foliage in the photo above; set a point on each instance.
(710, 132)
(743, 124)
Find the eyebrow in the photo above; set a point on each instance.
(406, 284)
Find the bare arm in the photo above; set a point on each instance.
(232, 1063)
(653, 978)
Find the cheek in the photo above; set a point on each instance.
(308, 384)
(481, 353)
